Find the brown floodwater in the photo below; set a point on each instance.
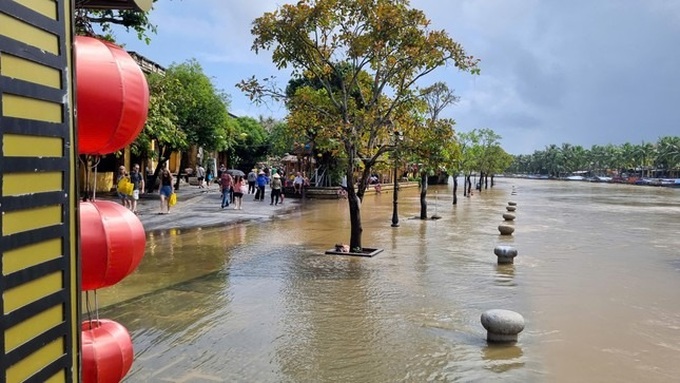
(597, 280)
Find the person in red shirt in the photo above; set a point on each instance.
(226, 183)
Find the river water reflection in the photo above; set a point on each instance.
(597, 280)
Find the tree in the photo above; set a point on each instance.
(86, 19)
(489, 142)
(188, 110)
(376, 49)
(469, 157)
(432, 149)
(251, 143)
(669, 154)
(437, 144)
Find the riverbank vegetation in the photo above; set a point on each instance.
(658, 160)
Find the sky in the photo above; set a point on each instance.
(583, 72)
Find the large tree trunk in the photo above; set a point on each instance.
(151, 183)
(179, 172)
(455, 189)
(423, 195)
(492, 181)
(355, 219)
(354, 199)
(468, 181)
(486, 181)
(478, 187)
(465, 182)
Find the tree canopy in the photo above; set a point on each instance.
(368, 56)
(185, 109)
(251, 143)
(88, 20)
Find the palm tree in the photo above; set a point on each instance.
(669, 153)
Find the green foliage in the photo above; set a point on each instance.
(162, 122)
(434, 144)
(201, 109)
(281, 138)
(251, 143)
(185, 109)
(664, 156)
(85, 21)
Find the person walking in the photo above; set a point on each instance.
(208, 177)
(240, 188)
(225, 183)
(167, 188)
(121, 179)
(252, 179)
(221, 170)
(200, 176)
(262, 181)
(137, 180)
(276, 188)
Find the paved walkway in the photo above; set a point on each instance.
(201, 208)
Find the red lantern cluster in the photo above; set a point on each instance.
(106, 351)
(112, 98)
(112, 104)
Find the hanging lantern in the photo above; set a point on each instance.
(112, 97)
(106, 351)
(112, 242)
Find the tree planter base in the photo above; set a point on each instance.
(365, 252)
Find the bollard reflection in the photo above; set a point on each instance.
(502, 358)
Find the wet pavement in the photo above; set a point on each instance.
(198, 207)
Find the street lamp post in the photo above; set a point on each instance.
(398, 136)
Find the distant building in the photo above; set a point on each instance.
(145, 64)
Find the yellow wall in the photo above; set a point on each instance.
(39, 301)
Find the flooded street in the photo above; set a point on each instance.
(597, 280)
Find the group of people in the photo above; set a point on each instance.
(129, 195)
(258, 180)
(129, 186)
(233, 187)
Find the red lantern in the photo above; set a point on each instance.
(112, 241)
(106, 351)
(112, 96)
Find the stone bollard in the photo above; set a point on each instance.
(512, 203)
(506, 229)
(502, 326)
(511, 208)
(508, 216)
(505, 254)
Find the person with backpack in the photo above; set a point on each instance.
(252, 181)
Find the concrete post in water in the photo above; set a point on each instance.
(511, 208)
(508, 216)
(505, 254)
(506, 229)
(502, 326)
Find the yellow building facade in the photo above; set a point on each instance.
(39, 280)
